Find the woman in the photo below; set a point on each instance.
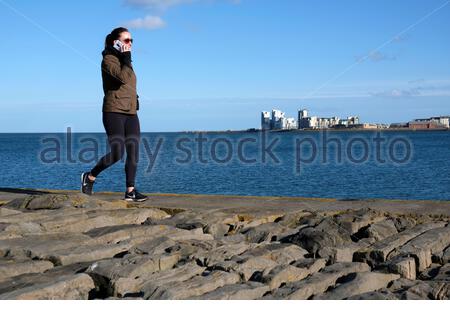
(120, 119)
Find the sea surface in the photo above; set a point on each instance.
(325, 164)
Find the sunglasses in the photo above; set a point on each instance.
(127, 41)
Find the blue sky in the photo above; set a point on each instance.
(215, 64)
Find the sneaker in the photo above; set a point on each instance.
(86, 183)
(135, 196)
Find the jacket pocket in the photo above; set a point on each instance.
(123, 102)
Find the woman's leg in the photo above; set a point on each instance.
(114, 124)
(132, 138)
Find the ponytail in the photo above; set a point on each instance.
(114, 35)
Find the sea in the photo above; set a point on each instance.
(320, 164)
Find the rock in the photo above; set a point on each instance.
(379, 251)
(430, 273)
(132, 266)
(319, 282)
(425, 245)
(223, 252)
(280, 253)
(231, 239)
(102, 218)
(380, 230)
(420, 290)
(5, 212)
(35, 246)
(333, 227)
(312, 265)
(195, 286)
(239, 291)
(265, 232)
(64, 287)
(130, 232)
(354, 220)
(358, 283)
(250, 265)
(55, 201)
(313, 240)
(217, 229)
(446, 256)
(292, 219)
(192, 249)
(403, 223)
(20, 229)
(124, 275)
(138, 234)
(9, 269)
(86, 253)
(154, 246)
(163, 278)
(284, 274)
(382, 294)
(340, 253)
(443, 273)
(404, 266)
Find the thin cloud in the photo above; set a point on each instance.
(396, 93)
(149, 22)
(441, 90)
(157, 4)
(420, 80)
(375, 56)
(165, 4)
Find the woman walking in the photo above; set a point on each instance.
(120, 119)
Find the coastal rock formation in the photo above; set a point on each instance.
(71, 246)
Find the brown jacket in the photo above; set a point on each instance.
(119, 84)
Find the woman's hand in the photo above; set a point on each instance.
(126, 48)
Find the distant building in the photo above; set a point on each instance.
(430, 123)
(353, 120)
(364, 126)
(425, 125)
(303, 121)
(442, 120)
(278, 120)
(265, 120)
(291, 123)
(398, 125)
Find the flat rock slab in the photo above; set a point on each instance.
(59, 201)
(101, 218)
(87, 253)
(360, 282)
(425, 245)
(379, 251)
(319, 282)
(195, 286)
(165, 278)
(239, 291)
(9, 269)
(65, 287)
(34, 245)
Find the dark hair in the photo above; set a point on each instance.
(114, 35)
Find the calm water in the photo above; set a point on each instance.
(403, 165)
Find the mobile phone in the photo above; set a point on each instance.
(118, 45)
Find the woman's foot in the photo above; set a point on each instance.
(135, 196)
(86, 183)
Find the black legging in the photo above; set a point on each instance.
(123, 132)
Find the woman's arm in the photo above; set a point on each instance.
(112, 66)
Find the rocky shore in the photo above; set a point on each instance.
(65, 245)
